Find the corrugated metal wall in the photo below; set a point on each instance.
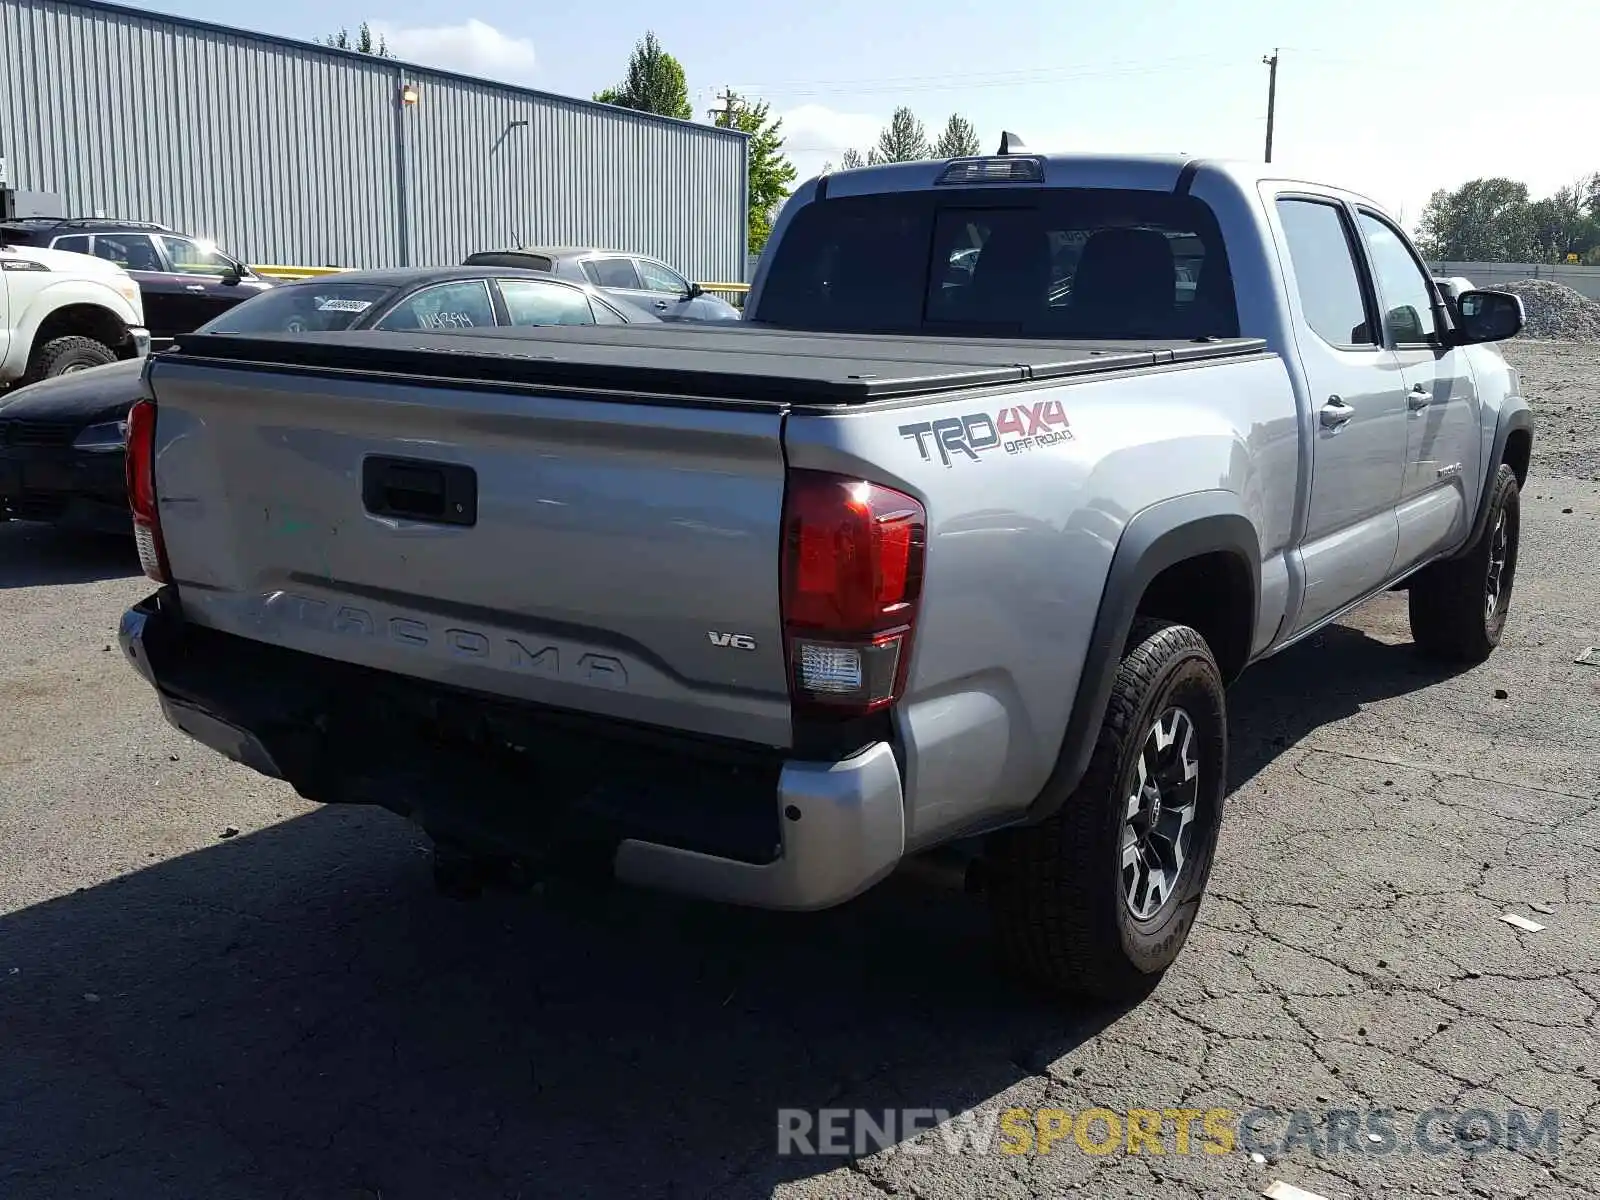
(290, 153)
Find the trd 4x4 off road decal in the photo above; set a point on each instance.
(1018, 428)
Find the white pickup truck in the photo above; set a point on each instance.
(62, 312)
(957, 539)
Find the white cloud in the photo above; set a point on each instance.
(472, 48)
(814, 135)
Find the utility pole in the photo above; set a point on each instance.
(1272, 95)
(726, 111)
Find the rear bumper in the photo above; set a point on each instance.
(75, 489)
(724, 822)
(138, 342)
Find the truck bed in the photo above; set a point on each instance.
(733, 364)
(587, 518)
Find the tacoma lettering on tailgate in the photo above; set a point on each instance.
(525, 654)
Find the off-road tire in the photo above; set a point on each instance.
(63, 354)
(1061, 920)
(1450, 616)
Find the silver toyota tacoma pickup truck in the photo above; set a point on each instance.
(957, 540)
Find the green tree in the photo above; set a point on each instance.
(902, 140)
(655, 83)
(363, 43)
(959, 139)
(850, 160)
(1565, 223)
(771, 172)
(1483, 220)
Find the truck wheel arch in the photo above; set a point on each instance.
(1200, 535)
(1513, 445)
(82, 319)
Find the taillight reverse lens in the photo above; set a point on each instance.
(852, 576)
(140, 470)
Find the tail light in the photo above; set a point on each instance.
(852, 576)
(140, 466)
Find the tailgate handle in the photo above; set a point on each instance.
(416, 490)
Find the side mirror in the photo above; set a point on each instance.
(1485, 316)
(232, 276)
(696, 291)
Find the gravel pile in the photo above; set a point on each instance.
(1556, 313)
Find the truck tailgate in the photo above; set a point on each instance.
(609, 556)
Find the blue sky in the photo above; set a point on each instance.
(1391, 98)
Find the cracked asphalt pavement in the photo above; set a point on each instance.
(291, 1012)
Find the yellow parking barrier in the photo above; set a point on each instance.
(274, 271)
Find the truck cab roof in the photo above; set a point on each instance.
(1156, 172)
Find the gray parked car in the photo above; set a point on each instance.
(637, 278)
(456, 299)
(756, 612)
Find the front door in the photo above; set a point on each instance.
(1443, 443)
(200, 282)
(1358, 404)
(619, 276)
(670, 299)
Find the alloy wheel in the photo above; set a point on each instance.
(1158, 823)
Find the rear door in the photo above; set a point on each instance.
(534, 302)
(1443, 446)
(1357, 400)
(168, 306)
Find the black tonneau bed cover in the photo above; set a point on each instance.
(728, 362)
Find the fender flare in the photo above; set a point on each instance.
(1155, 538)
(1514, 415)
(54, 296)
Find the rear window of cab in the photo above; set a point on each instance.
(1059, 263)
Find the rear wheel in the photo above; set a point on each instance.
(1459, 607)
(65, 355)
(1098, 900)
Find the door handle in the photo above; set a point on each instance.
(438, 493)
(1335, 413)
(661, 304)
(1419, 398)
(194, 287)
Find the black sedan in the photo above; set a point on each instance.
(61, 439)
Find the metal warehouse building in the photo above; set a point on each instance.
(288, 152)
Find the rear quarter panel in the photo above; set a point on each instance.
(1020, 541)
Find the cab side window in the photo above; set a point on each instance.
(1407, 294)
(1325, 273)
